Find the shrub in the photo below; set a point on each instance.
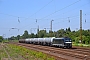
(76, 44)
(81, 45)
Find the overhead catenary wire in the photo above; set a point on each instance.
(29, 16)
(74, 9)
(44, 7)
(70, 18)
(41, 8)
(45, 19)
(61, 9)
(11, 15)
(64, 19)
(32, 14)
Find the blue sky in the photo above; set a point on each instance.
(28, 11)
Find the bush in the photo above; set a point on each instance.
(0, 40)
(86, 42)
(77, 40)
(76, 44)
(81, 45)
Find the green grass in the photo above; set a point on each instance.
(3, 54)
(30, 54)
(5, 41)
(20, 53)
(81, 45)
(13, 40)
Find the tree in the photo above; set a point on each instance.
(77, 40)
(1, 38)
(51, 34)
(18, 37)
(61, 32)
(42, 33)
(32, 35)
(74, 35)
(25, 35)
(69, 29)
(12, 38)
(85, 39)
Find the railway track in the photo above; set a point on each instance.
(64, 54)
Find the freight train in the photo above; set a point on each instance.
(64, 42)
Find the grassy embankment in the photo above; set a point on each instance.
(81, 45)
(14, 52)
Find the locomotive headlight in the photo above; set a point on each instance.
(70, 40)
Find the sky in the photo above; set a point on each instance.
(16, 16)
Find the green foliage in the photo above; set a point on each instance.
(81, 45)
(1, 38)
(18, 37)
(28, 54)
(77, 40)
(25, 35)
(5, 41)
(42, 33)
(68, 30)
(3, 54)
(74, 35)
(32, 35)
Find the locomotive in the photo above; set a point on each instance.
(64, 42)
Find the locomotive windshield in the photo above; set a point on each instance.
(58, 41)
(68, 40)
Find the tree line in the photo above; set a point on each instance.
(74, 35)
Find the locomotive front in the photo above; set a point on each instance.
(62, 42)
(68, 43)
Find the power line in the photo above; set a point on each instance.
(61, 9)
(65, 19)
(44, 7)
(32, 14)
(68, 11)
(69, 18)
(11, 15)
(41, 8)
(54, 12)
(74, 9)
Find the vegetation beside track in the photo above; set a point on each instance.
(2, 53)
(74, 35)
(20, 53)
(81, 45)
